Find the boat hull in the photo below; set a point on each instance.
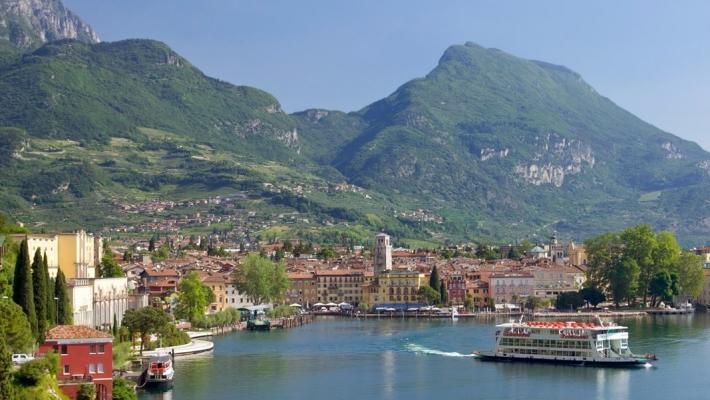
(159, 385)
(610, 362)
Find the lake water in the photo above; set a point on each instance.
(431, 359)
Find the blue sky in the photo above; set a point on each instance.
(651, 57)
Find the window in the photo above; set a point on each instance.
(92, 349)
(100, 368)
(64, 349)
(101, 348)
(66, 369)
(92, 368)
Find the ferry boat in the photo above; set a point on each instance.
(581, 343)
(160, 371)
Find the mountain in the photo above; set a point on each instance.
(28, 24)
(514, 147)
(486, 146)
(95, 92)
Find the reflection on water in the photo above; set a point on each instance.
(425, 359)
(612, 383)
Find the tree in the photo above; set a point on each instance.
(623, 276)
(262, 280)
(428, 295)
(39, 290)
(193, 297)
(640, 245)
(434, 282)
(592, 295)
(151, 244)
(468, 303)
(660, 287)
(144, 321)
(123, 389)
(109, 268)
(327, 253)
(444, 293)
(15, 328)
(49, 293)
(514, 253)
(61, 296)
(569, 300)
(691, 278)
(114, 327)
(602, 251)
(532, 303)
(7, 390)
(22, 292)
(87, 391)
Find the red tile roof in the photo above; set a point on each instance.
(162, 272)
(75, 332)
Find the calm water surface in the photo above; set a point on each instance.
(430, 359)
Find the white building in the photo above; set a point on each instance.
(235, 299)
(96, 301)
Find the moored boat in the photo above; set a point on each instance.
(160, 372)
(581, 343)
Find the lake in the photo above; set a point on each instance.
(428, 359)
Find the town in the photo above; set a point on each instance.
(101, 290)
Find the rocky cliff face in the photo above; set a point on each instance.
(31, 23)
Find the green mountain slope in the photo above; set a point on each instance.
(513, 146)
(90, 93)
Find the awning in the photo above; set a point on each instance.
(295, 305)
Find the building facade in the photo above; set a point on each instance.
(338, 286)
(85, 357)
(456, 288)
(511, 288)
(77, 255)
(302, 289)
(394, 287)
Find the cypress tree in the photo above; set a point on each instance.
(444, 293)
(39, 290)
(22, 286)
(434, 279)
(49, 293)
(64, 310)
(115, 326)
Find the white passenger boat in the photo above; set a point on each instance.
(582, 343)
(160, 371)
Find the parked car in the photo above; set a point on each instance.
(19, 359)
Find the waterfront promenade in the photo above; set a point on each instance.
(196, 346)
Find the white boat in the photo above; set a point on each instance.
(581, 343)
(160, 371)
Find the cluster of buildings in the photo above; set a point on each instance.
(394, 276)
(95, 301)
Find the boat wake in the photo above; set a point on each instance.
(425, 350)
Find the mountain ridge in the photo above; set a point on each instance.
(486, 145)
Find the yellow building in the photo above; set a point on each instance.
(218, 284)
(577, 254)
(77, 255)
(337, 286)
(393, 287)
